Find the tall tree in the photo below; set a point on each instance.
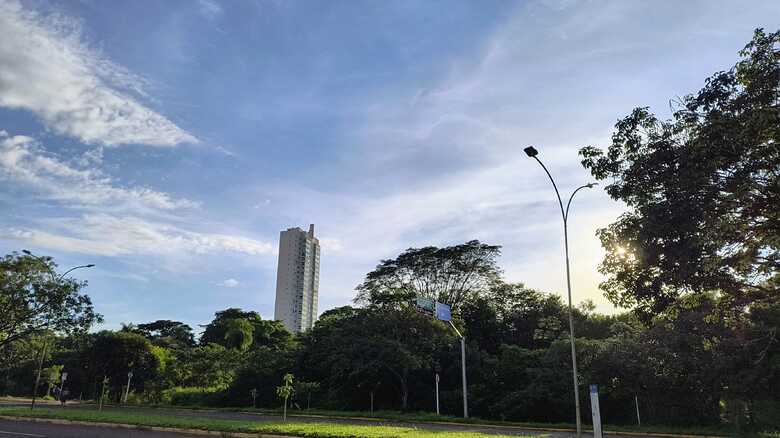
(449, 275)
(702, 190)
(261, 333)
(33, 299)
(114, 354)
(167, 333)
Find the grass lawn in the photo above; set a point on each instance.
(314, 430)
(428, 417)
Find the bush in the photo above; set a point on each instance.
(195, 396)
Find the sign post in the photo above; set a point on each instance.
(127, 390)
(594, 407)
(636, 402)
(437, 394)
(443, 312)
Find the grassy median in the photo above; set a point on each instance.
(313, 430)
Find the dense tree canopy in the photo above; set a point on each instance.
(449, 275)
(33, 299)
(114, 354)
(703, 191)
(235, 328)
(167, 333)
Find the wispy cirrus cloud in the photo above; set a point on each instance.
(120, 220)
(47, 69)
(23, 161)
(108, 235)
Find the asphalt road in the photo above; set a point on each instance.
(29, 429)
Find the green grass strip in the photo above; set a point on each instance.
(309, 430)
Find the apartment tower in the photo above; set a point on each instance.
(297, 279)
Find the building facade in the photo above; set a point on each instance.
(297, 279)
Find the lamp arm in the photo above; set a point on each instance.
(560, 203)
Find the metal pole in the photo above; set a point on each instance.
(463, 370)
(565, 215)
(437, 394)
(127, 390)
(38, 376)
(571, 334)
(636, 401)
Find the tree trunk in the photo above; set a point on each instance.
(284, 414)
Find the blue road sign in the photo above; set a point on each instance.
(425, 305)
(443, 312)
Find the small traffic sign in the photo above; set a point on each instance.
(443, 312)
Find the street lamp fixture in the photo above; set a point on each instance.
(532, 153)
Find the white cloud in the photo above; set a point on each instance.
(230, 283)
(107, 235)
(47, 69)
(23, 161)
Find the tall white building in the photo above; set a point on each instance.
(297, 279)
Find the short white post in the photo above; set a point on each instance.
(594, 407)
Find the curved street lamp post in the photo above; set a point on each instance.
(532, 152)
(57, 279)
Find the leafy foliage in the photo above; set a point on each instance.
(451, 275)
(702, 188)
(33, 299)
(167, 333)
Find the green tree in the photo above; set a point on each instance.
(263, 333)
(702, 191)
(50, 376)
(114, 354)
(238, 334)
(205, 366)
(285, 391)
(34, 299)
(356, 348)
(216, 330)
(167, 333)
(451, 275)
(262, 369)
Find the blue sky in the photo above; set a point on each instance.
(170, 142)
